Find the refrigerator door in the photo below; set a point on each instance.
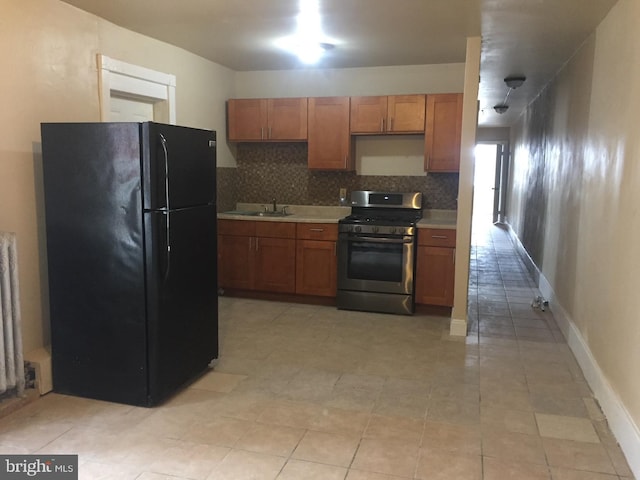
(95, 250)
(179, 166)
(182, 301)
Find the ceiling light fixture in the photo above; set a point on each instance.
(512, 83)
(308, 43)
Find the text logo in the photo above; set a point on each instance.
(50, 467)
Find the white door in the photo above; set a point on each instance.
(130, 110)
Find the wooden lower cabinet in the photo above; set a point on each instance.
(316, 267)
(435, 267)
(235, 262)
(275, 265)
(256, 255)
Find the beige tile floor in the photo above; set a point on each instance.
(306, 392)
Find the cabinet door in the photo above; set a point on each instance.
(329, 145)
(235, 262)
(275, 264)
(287, 119)
(435, 270)
(442, 133)
(368, 115)
(316, 268)
(406, 114)
(247, 119)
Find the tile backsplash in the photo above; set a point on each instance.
(279, 170)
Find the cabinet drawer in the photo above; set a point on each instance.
(437, 237)
(276, 229)
(246, 228)
(317, 231)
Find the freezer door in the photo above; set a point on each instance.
(182, 296)
(179, 166)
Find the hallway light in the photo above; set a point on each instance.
(512, 83)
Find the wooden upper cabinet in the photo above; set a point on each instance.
(368, 114)
(406, 114)
(387, 114)
(443, 132)
(273, 119)
(328, 134)
(287, 119)
(246, 119)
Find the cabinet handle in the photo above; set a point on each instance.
(454, 256)
(427, 161)
(443, 237)
(261, 133)
(382, 124)
(269, 133)
(257, 245)
(316, 229)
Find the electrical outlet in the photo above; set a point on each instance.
(343, 196)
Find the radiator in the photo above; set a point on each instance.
(11, 358)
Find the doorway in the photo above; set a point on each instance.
(489, 183)
(134, 93)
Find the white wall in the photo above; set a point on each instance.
(580, 139)
(444, 78)
(49, 74)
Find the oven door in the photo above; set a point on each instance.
(375, 263)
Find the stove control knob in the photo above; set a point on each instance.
(392, 230)
(358, 229)
(375, 229)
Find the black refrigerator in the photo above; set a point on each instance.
(131, 246)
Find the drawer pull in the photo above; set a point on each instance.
(443, 237)
(316, 229)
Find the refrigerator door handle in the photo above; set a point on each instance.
(167, 209)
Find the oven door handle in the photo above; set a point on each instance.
(380, 240)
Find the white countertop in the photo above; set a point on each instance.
(438, 219)
(330, 214)
(299, 213)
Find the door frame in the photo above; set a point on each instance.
(502, 178)
(119, 78)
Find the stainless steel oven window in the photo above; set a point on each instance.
(376, 264)
(373, 260)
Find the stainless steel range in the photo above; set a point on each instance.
(376, 252)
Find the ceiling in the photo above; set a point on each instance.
(533, 38)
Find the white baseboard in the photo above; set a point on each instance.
(622, 425)
(41, 360)
(458, 328)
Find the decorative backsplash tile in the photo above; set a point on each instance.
(279, 170)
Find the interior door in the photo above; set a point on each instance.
(500, 187)
(125, 109)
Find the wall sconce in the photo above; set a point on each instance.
(512, 83)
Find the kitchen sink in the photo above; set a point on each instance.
(272, 214)
(250, 213)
